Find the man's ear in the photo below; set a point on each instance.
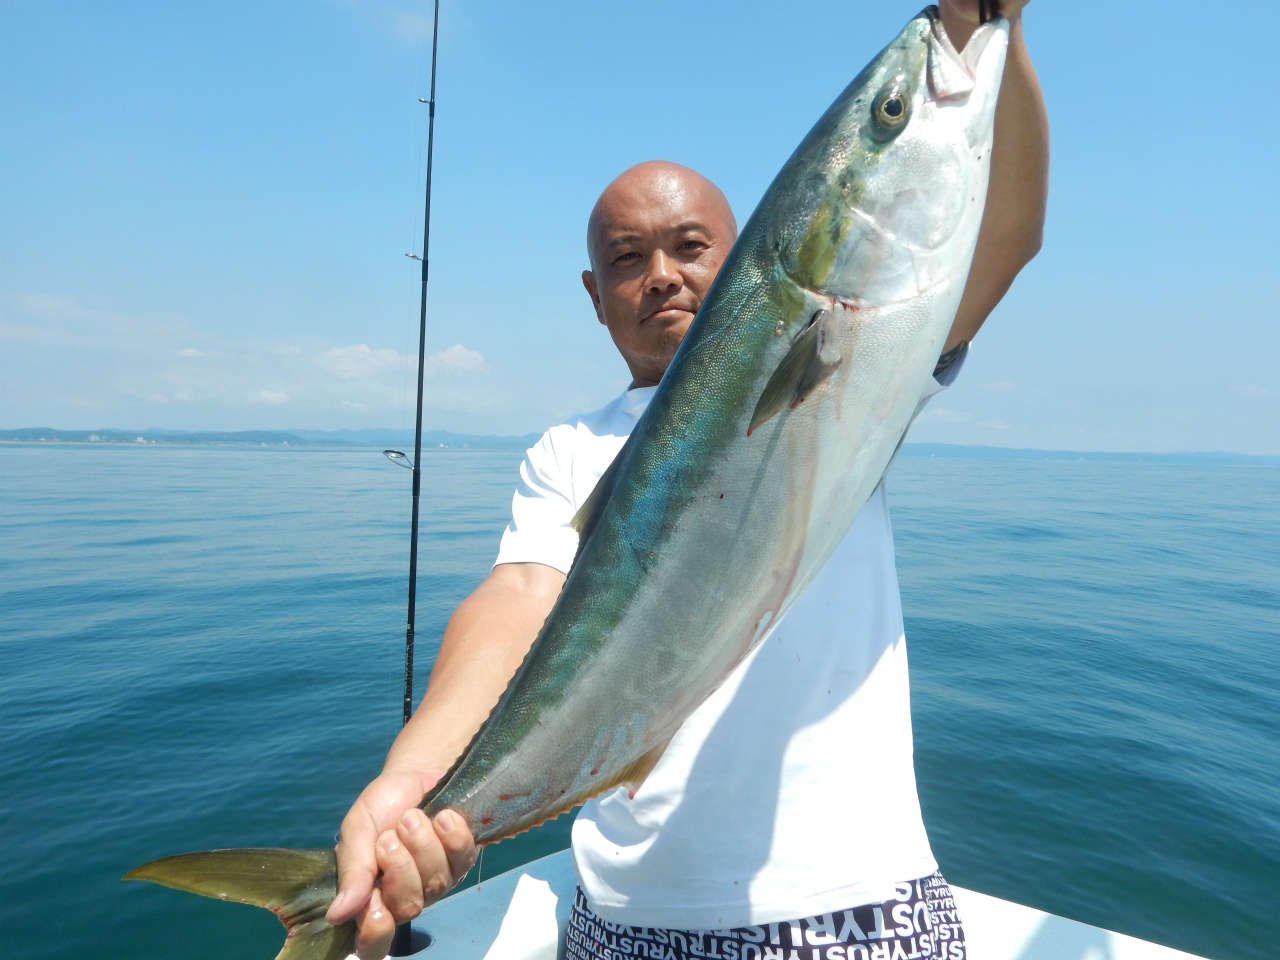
(589, 281)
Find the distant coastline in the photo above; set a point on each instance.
(435, 439)
(446, 440)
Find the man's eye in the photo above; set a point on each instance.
(692, 246)
(623, 258)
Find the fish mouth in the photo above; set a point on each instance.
(952, 72)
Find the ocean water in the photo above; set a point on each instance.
(201, 647)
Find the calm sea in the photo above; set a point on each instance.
(201, 647)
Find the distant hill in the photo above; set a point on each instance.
(445, 440)
(437, 439)
(53, 435)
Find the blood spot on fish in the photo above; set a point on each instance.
(506, 796)
(594, 771)
(486, 820)
(722, 496)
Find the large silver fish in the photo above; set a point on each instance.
(775, 422)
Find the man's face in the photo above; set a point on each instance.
(657, 238)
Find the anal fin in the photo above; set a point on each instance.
(634, 775)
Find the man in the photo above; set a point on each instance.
(656, 238)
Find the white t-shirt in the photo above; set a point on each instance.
(791, 790)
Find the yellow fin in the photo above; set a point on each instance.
(296, 885)
(634, 776)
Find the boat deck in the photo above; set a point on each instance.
(520, 915)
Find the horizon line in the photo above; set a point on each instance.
(7, 436)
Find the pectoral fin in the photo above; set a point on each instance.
(807, 364)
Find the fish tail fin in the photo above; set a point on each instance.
(296, 885)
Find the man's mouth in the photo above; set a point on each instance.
(667, 312)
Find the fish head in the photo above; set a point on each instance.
(882, 201)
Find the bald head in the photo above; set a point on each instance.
(656, 189)
(656, 238)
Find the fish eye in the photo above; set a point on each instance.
(890, 109)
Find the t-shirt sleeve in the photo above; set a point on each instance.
(942, 378)
(541, 510)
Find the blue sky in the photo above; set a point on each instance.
(206, 209)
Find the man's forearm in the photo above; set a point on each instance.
(485, 641)
(1013, 221)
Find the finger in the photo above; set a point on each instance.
(419, 837)
(401, 886)
(459, 845)
(357, 867)
(377, 927)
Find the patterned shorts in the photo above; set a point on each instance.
(918, 923)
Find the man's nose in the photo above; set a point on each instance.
(663, 273)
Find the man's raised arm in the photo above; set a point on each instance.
(385, 833)
(1013, 223)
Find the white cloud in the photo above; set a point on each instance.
(139, 369)
(140, 393)
(1251, 390)
(52, 306)
(361, 360)
(458, 358)
(409, 26)
(28, 335)
(945, 415)
(70, 322)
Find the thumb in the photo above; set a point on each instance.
(357, 867)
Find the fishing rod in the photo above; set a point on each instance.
(422, 362)
(402, 944)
